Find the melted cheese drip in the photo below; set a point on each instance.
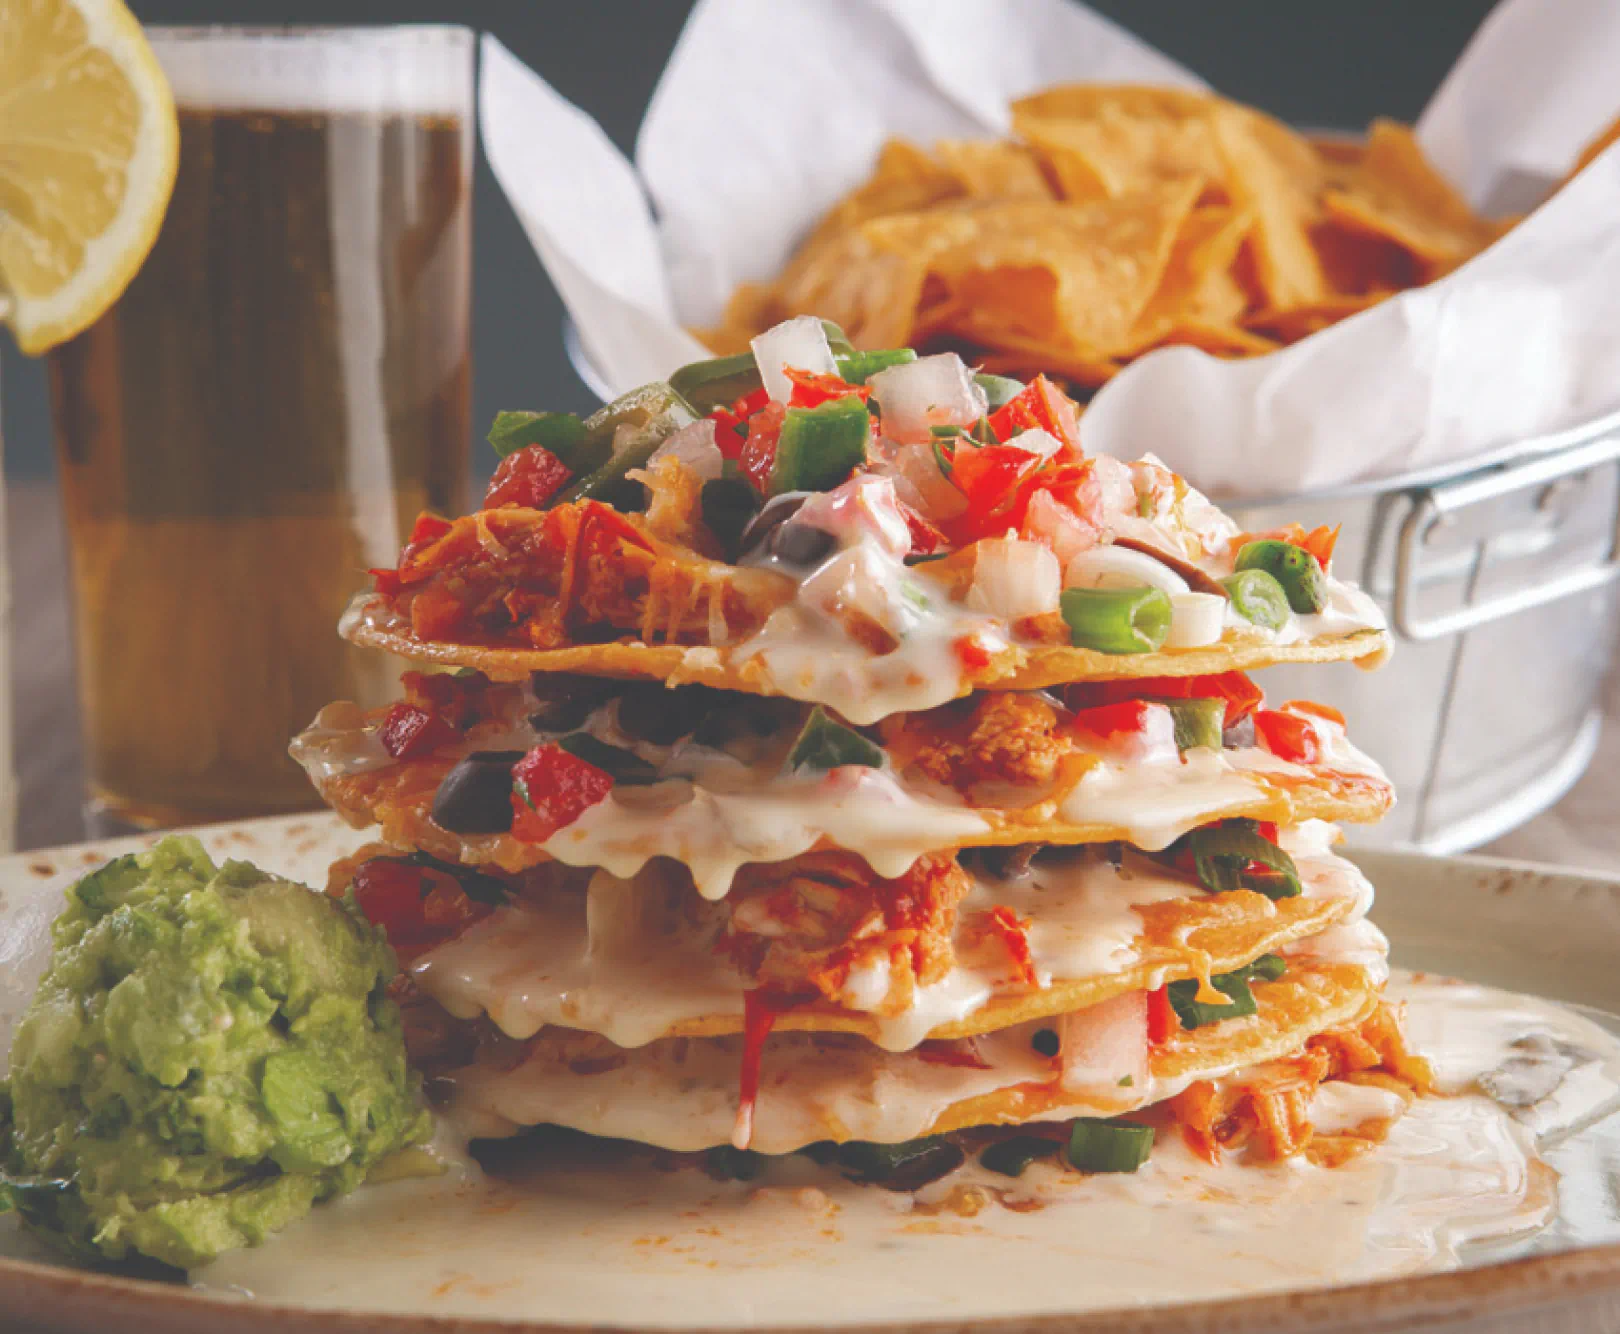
(865, 811)
(614, 967)
(609, 1243)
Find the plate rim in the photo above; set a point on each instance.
(58, 1296)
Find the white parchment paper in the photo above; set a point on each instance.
(767, 113)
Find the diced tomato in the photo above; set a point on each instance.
(758, 453)
(1241, 694)
(1013, 931)
(529, 476)
(1041, 406)
(386, 582)
(1163, 1021)
(971, 652)
(731, 424)
(408, 732)
(1267, 829)
(457, 697)
(988, 476)
(427, 529)
(1310, 706)
(925, 538)
(1110, 720)
(418, 908)
(436, 613)
(811, 389)
(552, 788)
(1288, 736)
(601, 527)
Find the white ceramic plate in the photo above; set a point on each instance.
(1514, 926)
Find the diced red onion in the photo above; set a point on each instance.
(1104, 1049)
(931, 391)
(1013, 578)
(800, 343)
(863, 511)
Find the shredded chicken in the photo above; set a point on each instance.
(1000, 737)
(803, 926)
(1266, 1110)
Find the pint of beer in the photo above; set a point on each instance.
(259, 418)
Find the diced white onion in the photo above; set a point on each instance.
(1120, 567)
(1013, 578)
(931, 391)
(694, 446)
(1196, 619)
(1104, 1049)
(861, 511)
(1036, 441)
(800, 343)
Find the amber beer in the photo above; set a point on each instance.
(252, 426)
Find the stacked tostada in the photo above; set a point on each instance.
(821, 751)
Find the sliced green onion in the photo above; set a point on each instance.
(1198, 722)
(824, 744)
(982, 433)
(1299, 572)
(1116, 620)
(1195, 1013)
(718, 383)
(1258, 597)
(1108, 1146)
(819, 447)
(728, 504)
(623, 766)
(1000, 390)
(1010, 1157)
(856, 367)
(1222, 854)
(905, 1166)
(733, 1164)
(941, 458)
(562, 433)
(629, 429)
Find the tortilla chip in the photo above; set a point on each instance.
(1301, 321)
(987, 169)
(1197, 282)
(1102, 263)
(1396, 193)
(1083, 101)
(1116, 152)
(1272, 173)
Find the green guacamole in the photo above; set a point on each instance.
(210, 1053)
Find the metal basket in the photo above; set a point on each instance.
(1498, 582)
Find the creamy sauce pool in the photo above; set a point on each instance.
(1456, 1180)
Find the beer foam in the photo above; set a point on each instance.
(415, 69)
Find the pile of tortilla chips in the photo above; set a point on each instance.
(1119, 220)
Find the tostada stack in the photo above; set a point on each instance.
(821, 751)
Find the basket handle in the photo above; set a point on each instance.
(1434, 506)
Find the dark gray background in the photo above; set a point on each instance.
(1321, 64)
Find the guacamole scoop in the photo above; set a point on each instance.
(210, 1052)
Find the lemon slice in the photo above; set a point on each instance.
(88, 146)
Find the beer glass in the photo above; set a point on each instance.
(258, 419)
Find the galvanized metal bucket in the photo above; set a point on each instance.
(1499, 585)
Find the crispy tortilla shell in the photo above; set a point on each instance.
(370, 624)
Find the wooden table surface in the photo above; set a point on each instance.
(1581, 830)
